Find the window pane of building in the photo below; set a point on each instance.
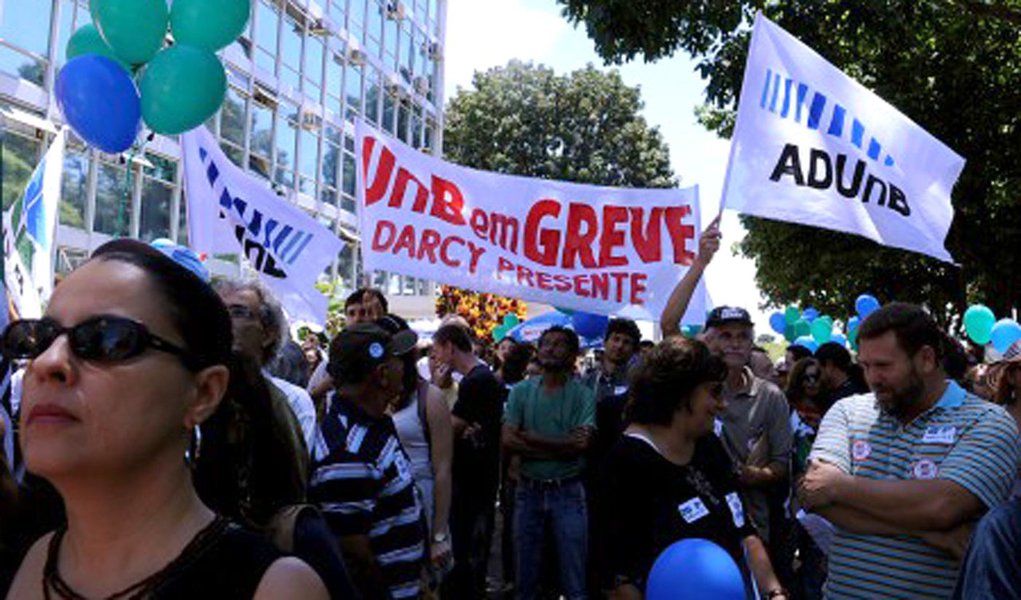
(154, 220)
(266, 35)
(20, 156)
(25, 24)
(113, 200)
(232, 117)
(74, 188)
(290, 52)
(372, 97)
(262, 139)
(286, 144)
(314, 66)
(353, 88)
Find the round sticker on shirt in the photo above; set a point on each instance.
(375, 350)
(860, 450)
(925, 469)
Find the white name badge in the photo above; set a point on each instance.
(693, 510)
(736, 509)
(940, 434)
(718, 427)
(620, 390)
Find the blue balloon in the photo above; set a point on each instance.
(807, 342)
(853, 323)
(839, 339)
(100, 102)
(810, 314)
(778, 322)
(866, 304)
(588, 325)
(695, 569)
(1005, 333)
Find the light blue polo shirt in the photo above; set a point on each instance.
(963, 439)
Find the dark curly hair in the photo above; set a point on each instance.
(667, 377)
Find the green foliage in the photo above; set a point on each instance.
(583, 127)
(954, 67)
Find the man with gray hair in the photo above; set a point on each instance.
(260, 329)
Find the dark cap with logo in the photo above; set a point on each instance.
(361, 347)
(723, 315)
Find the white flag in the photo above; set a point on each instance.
(230, 211)
(30, 226)
(815, 147)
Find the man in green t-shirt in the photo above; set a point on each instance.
(548, 423)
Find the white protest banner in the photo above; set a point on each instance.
(30, 226)
(230, 211)
(595, 249)
(815, 147)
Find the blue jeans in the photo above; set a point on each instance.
(990, 570)
(561, 509)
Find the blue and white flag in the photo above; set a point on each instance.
(30, 226)
(231, 212)
(813, 146)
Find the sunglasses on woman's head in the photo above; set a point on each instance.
(103, 338)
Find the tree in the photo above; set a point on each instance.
(583, 127)
(954, 67)
(526, 120)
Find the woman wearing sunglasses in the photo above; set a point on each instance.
(131, 358)
(669, 478)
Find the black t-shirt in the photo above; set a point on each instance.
(477, 459)
(652, 503)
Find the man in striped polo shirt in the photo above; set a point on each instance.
(905, 471)
(361, 478)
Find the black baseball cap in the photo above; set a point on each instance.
(404, 339)
(722, 315)
(361, 347)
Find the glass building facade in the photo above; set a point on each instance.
(298, 77)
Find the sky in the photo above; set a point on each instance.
(487, 33)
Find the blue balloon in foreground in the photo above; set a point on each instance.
(839, 339)
(1005, 333)
(806, 341)
(866, 304)
(778, 322)
(588, 325)
(695, 569)
(810, 314)
(100, 102)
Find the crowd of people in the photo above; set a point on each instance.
(166, 437)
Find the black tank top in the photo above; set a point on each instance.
(230, 568)
(224, 562)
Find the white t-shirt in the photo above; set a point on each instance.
(302, 405)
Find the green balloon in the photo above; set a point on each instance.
(789, 333)
(87, 40)
(133, 28)
(978, 322)
(499, 333)
(802, 328)
(791, 315)
(822, 330)
(181, 87)
(209, 25)
(511, 319)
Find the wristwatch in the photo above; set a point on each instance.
(439, 538)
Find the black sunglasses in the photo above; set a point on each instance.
(103, 338)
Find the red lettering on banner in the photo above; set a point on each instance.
(563, 283)
(578, 244)
(502, 264)
(476, 254)
(375, 192)
(647, 244)
(541, 246)
(680, 233)
(401, 187)
(612, 237)
(524, 273)
(479, 222)
(578, 289)
(430, 241)
(601, 285)
(406, 241)
(445, 251)
(448, 203)
(638, 287)
(619, 278)
(544, 281)
(383, 227)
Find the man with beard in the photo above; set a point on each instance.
(549, 422)
(903, 472)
